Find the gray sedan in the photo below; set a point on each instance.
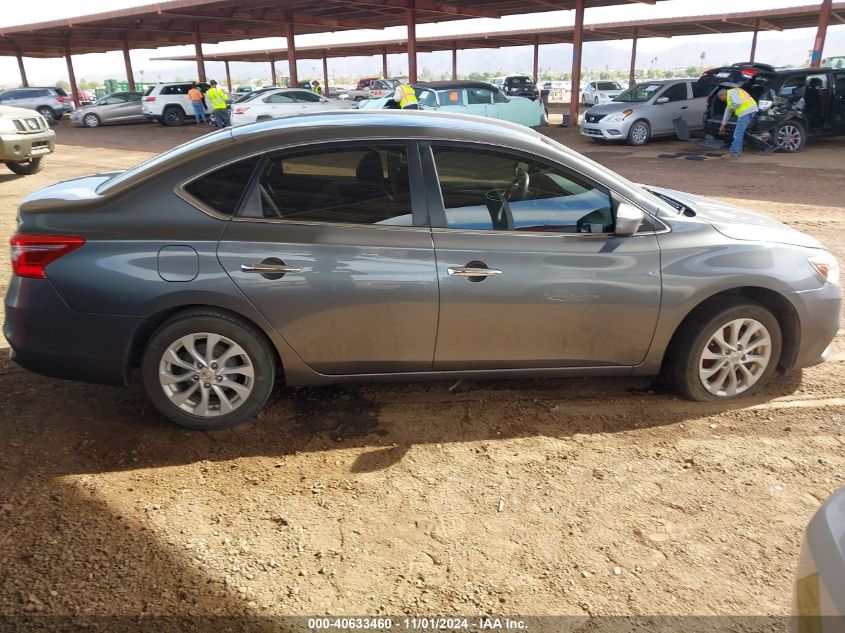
(390, 245)
(120, 107)
(647, 110)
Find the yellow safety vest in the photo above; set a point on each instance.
(745, 103)
(409, 97)
(318, 90)
(218, 98)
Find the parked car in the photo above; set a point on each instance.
(819, 592)
(169, 104)
(253, 94)
(382, 88)
(282, 102)
(470, 97)
(51, 103)
(120, 107)
(244, 90)
(378, 245)
(25, 139)
(601, 92)
(361, 91)
(795, 104)
(647, 110)
(517, 86)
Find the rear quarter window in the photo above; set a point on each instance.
(221, 190)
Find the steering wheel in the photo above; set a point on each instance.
(518, 189)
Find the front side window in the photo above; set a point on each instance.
(498, 97)
(348, 185)
(222, 189)
(678, 92)
(487, 189)
(133, 97)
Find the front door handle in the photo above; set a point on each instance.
(265, 269)
(684, 107)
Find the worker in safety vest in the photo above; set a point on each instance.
(218, 96)
(743, 105)
(405, 96)
(315, 86)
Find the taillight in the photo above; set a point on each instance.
(61, 99)
(241, 109)
(149, 98)
(31, 254)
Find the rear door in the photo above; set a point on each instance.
(530, 273)
(333, 247)
(480, 102)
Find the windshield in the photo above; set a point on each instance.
(609, 85)
(519, 80)
(639, 93)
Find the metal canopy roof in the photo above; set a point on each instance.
(176, 22)
(770, 19)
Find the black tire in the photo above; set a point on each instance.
(91, 120)
(790, 137)
(173, 116)
(32, 166)
(48, 113)
(684, 356)
(635, 137)
(247, 336)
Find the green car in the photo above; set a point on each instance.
(470, 97)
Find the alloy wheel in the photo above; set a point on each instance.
(789, 138)
(735, 357)
(206, 374)
(91, 120)
(639, 133)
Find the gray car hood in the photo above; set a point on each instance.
(741, 224)
(614, 106)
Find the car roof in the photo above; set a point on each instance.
(457, 84)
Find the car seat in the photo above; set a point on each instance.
(814, 103)
(370, 177)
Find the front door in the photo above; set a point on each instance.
(530, 273)
(677, 106)
(838, 108)
(333, 249)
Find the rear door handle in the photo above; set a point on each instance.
(264, 269)
(465, 271)
(684, 107)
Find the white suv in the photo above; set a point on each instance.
(169, 104)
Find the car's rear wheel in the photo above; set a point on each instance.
(91, 120)
(48, 113)
(730, 348)
(790, 137)
(173, 116)
(26, 168)
(640, 133)
(208, 371)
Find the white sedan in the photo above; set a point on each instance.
(277, 103)
(600, 92)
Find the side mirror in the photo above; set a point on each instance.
(628, 219)
(662, 100)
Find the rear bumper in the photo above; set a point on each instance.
(49, 338)
(819, 315)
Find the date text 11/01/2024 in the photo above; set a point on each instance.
(418, 624)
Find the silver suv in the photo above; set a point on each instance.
(51, 103)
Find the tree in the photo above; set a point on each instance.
(692, 71)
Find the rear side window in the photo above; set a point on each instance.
(792, 87)
(179, 89)
(222, 189)
(306, 97)
(148, 90)
(347, 185)
(678, 92)
(477, 96)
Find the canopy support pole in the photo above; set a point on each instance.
(198, 51)
(291, 46)
(71, 76)
(632, 76)
(411, 20)
(24, 81)
(130, 77)
(754, 40)
(577, 42)
(454, 61)
(821, 33)
(325, 76)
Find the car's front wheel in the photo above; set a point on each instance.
(26, 168)
(729, 348)
(639, 133)
(91, 120)
(790, 137)
(207, 370)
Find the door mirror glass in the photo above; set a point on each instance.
(628, 219)
(662, 100)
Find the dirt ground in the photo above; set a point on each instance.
(544, 497)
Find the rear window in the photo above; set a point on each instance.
(222, 189)
(609, 85)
